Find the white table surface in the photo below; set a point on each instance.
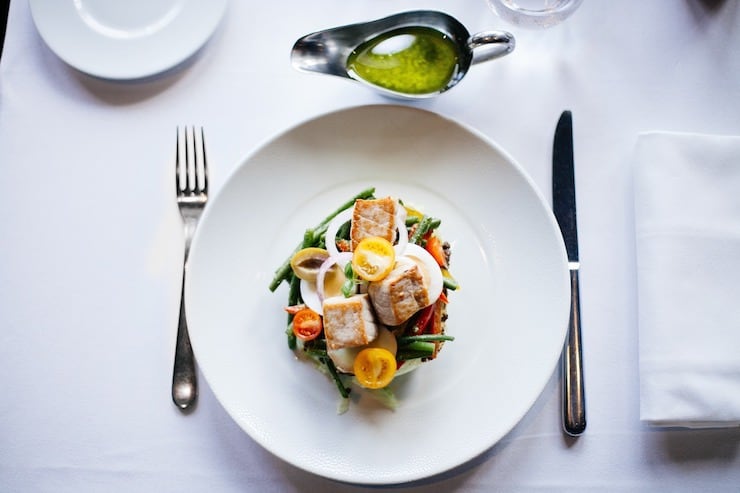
(90, 280)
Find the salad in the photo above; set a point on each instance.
(368, 294)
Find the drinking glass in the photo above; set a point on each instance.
(534, 13)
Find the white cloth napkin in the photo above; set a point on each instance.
(687, 218)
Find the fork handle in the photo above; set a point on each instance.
(184, 384)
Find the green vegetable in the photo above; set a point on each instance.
(294, 298)
(315, 353)
(424, 338)
(421, 346)
(411, 220)
(316, 350)
(343, 391)
(404, 355)
(450, 283)
(426, 224)
(348, 288)
(291, 336)
(368, 193)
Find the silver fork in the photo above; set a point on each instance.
(191, 187)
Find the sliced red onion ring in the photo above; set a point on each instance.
(341, 259)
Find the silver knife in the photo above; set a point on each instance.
(564, 207)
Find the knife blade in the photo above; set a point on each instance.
(564, 208)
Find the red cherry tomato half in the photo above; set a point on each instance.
(307, 324)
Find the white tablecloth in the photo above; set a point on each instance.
(90, 279)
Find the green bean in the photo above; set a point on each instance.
(424, 338)
(344, 391)
(294, 294)
(309, 239)
(450, 283)
(321, 228)
(365, 194)
(291, 336)
(321, 354)
(294, 298)
(282, 273)
(403, 355)
(426, 224)
(418, 346)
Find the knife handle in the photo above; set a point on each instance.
(574, 405)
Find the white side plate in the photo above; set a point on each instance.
(128, 39)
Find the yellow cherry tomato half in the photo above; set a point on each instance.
(373, 258)
(375, 367)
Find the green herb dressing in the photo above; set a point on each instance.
(411, 60)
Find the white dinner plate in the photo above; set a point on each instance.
(127, 39)
(508, 319)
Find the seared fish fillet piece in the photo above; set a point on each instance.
(375, 217)
(400, 294)
(349, 322)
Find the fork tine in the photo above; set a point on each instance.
(190, 164)
(205, 161)
(178, 185)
